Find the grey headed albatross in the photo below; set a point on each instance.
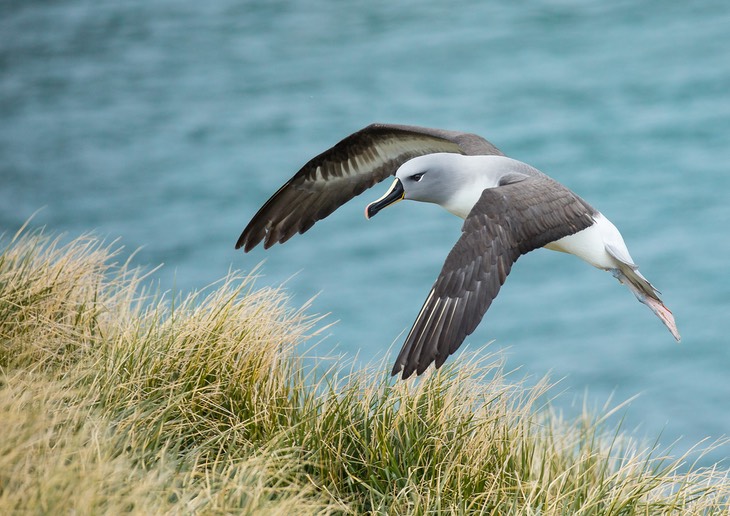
(509, 208)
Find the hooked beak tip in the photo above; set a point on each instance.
(394, 194)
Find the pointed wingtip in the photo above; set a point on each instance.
(241, 242)
(401, 369)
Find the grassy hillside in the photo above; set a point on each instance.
(116, 399)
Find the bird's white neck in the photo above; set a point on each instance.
(464, 199)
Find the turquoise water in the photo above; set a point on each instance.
(169, 123)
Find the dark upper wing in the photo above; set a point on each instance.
(340, 173)
(506, 222)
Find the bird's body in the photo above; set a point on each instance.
(482, 172)
(509, 208)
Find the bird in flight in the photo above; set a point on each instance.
(509, 208)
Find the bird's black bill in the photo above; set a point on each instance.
(392, 196)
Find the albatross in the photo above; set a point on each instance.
(509, 209)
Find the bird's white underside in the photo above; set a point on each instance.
(591, 244)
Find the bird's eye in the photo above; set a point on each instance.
(417, 177)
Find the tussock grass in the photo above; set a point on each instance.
(116, 399)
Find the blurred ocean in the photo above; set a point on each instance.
(169, 123)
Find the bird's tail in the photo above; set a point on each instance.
(645, 292)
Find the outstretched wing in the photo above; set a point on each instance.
(346, 170)
(507, 222)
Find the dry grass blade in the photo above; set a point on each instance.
(116, 399)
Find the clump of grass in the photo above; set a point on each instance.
(117, 399)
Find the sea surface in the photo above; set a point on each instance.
(169, 123)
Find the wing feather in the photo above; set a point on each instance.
(344, 171)
(507, 222)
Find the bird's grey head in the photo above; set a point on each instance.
(441, 178)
